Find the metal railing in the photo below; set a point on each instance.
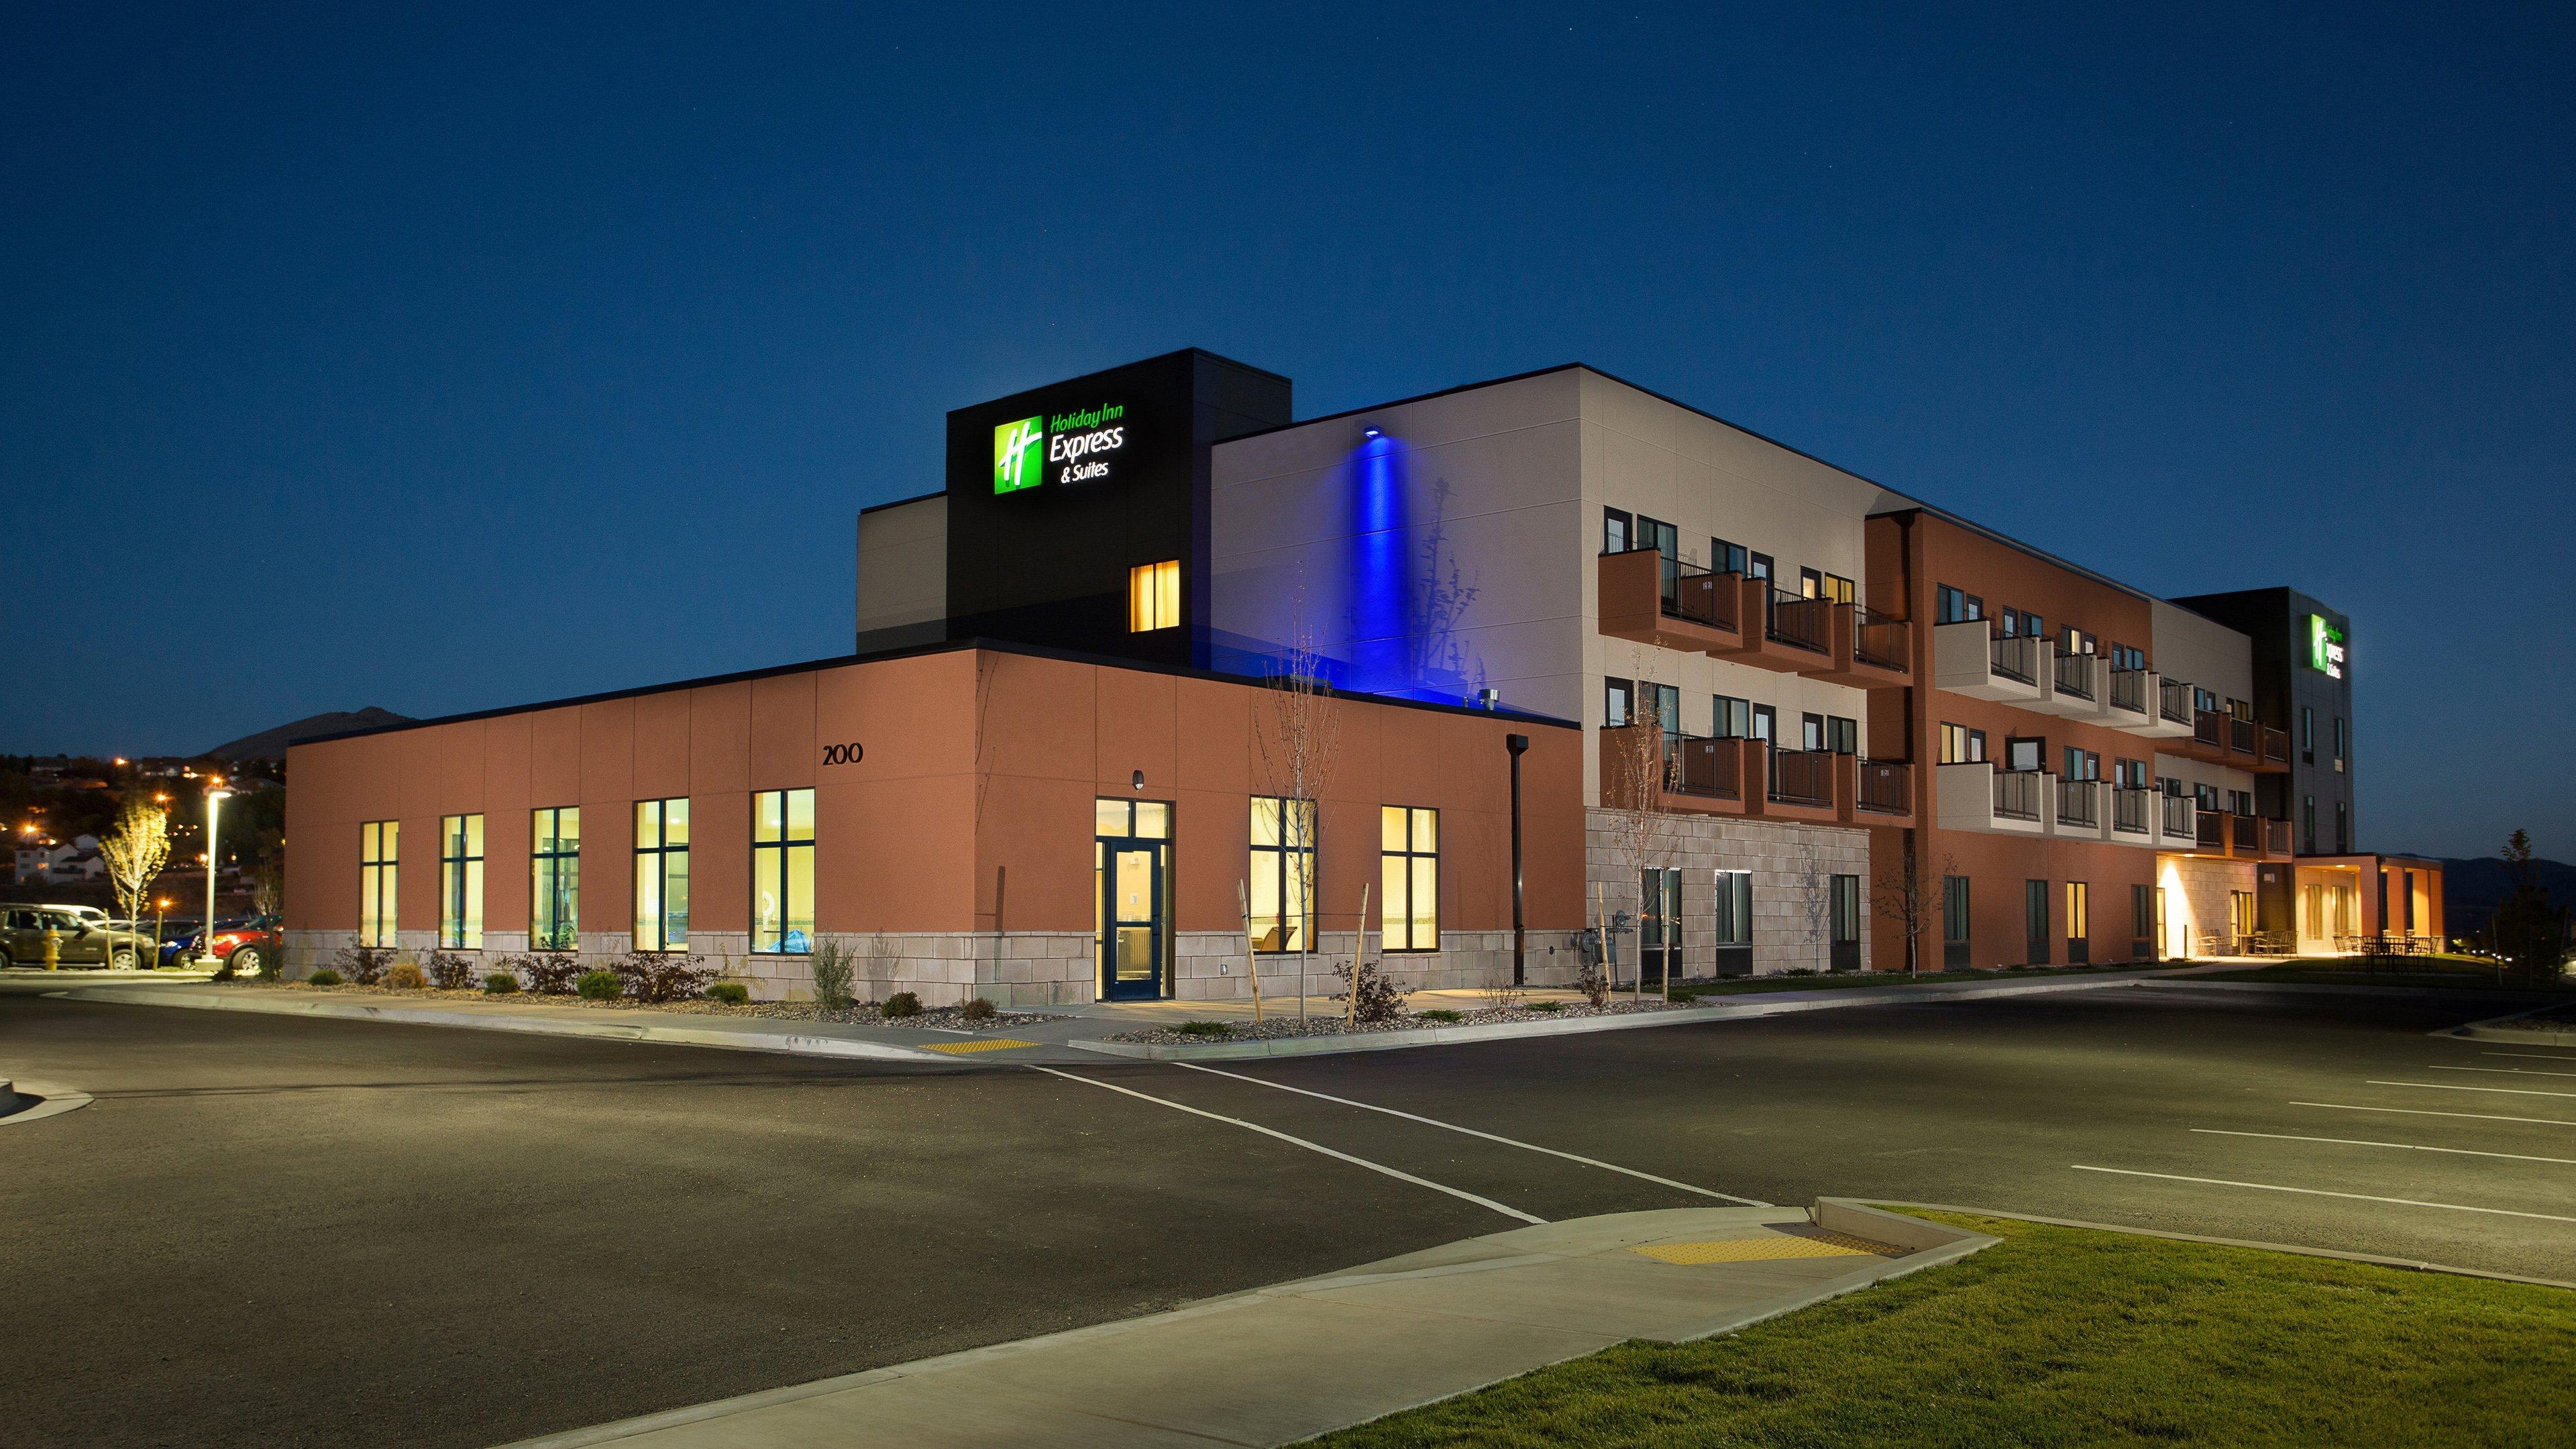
(2173, 700)
(2015, 658)
(1803, 777)
(2076, 803)
(2209, 727)
(2177, 817)
(1886, 786)
(2129, 806)
(2017, 793)
(1879, 640)
(2276, 744)
(2245, 834)
(2075, 675)
(1800, 621)
(1705, 767)
(2240, 735)
(2276, 837)
(2209, 830)
(2129, 690)
(1702, 596)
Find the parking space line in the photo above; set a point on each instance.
(1379, 1167)
(1488, 1136)
(2505, 1071)
(2423, 1112)
(2534, 1056)
(2321, 1192)
(2403, 1146)
(2448, 1087)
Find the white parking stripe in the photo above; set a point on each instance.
(1456, 1192)
(2504, 1071)
(2534, 1056)
(2405, 1146)
(2321, 1192)
(2448, 1087)
(2422, 1112)
(1488, 1136)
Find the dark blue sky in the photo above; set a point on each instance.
(453, 360)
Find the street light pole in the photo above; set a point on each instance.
(216, 794)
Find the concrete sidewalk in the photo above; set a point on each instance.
(1283, 1363)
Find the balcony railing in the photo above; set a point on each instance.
(1886, 786)
(2210, 833)
(2209, 727)
(2017, 793)
(2016, 658)
(2129, 690)
(2075, 675)
(2075, 803)
(2276, 837)
(1879, 640)
(2129, 807)
(2240, 735)
(2177, 818)
(1803, 777)
(1698, 594)
(1709, 768)
(1800, 622)
(2276, 745)
(2173, 700)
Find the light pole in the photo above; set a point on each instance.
(216, 794)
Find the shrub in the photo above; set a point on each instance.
(270, 967)
(500, 983)
(599, 986)
(832, 966)
(1378, 998)
(1205, 1028)
(900, 1005)
(1547, 1006)
(1439, 1014)
(324, 977)
(364, 965)
(449, 972)
(549, 973)
(977, 1009)
(663, 975)
(405, 977)
(731, 993)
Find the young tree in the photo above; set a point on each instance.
(1296, 741)
(1910, 897)
(1637, 771)
(2527, 930)
(135, 849)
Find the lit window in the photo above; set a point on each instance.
(460, 882)
(1283, 872)
(1409, 877)
(782, 871)
(1153, 596)
(554, 884)
(662, 875)
(377, 843)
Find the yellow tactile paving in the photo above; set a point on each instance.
(1750, 1250)
(989, 1044)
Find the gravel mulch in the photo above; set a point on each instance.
(866, 1013)
(1287, 1026)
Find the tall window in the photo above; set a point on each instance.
(2339, 742)
(2308, 825)
(1283, 872)
(1614, 531)
(2142, 922)
(1954, 909)
(2034, 909)
(1618, 702)
(554, 884)
(1845, 910)
(1409, 877)
(460, 882)
(662, 875)
(2079, 921)
(1661, 703)
(2307, 735)
(1734, 916)
(782, 871)
(2343, 828)
(377, 842)
(1153, 596)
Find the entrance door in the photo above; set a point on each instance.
(1659, 925)
(1134, 912)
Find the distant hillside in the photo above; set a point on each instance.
(270, 744)
(2472, 889)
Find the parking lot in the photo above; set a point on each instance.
(300, 1231)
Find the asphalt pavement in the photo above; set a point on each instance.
(286, 1231)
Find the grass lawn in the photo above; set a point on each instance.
(1743, 985)
(2063, 1336)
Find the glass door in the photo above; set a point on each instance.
(1659, 925)
(1132, 857)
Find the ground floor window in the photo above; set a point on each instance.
(1954, 921)
(1132, 896)
(378, 842)
(1409, 877)
(1731, 922)
(782, 871)
(2240, 918)
(554, 883)
(1659, 923)
(1844, 911)
(1282, 903)
(662, 875)
(460, 882)
(2079, 923)
(2142, 922)
(2035, 922)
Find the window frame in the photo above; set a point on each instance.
(1398, 868)
(777, 857)
(460, 882)
(1292, 938)
(1731, 909)
(1154, 596)
(379, 882)
(555, 901)
(1618, 530)
(659, 856)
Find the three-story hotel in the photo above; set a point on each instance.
(1595, 658)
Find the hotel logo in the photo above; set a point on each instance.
(2325, 647)
(1017, 450)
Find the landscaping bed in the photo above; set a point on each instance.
(865, 1013)
(1842, 980)
(1278, 1027)
(2064, 1336)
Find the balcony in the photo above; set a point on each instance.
(2251, 837)
(2272, 750)
(2130, 703)
(1650, 599)
(2076, 683)
(1866, 650)
(2175, 827)
(2133, 815)
(1970, 658)
(1680, 774)
(1801, 785)
(2079, 810)
(2169, 713)
(1885, 793)
(1977, 796)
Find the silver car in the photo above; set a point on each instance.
(84, 938)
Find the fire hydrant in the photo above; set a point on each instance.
(53, 949)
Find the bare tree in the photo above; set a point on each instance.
(1815, 903)
(1296, 742)
(1637, 772)
(135, 849)
(1910, 897)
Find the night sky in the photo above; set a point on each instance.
(458, 359)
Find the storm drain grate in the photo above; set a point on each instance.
(1754, 1250)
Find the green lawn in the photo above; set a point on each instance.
(2062, 1336)
(1742, 985)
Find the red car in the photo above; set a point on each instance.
(248, 944)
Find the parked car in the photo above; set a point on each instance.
(83, 938)
(176, 937)
(246, 943)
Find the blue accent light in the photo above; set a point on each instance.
(1380, 595)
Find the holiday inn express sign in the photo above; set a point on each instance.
(1074, 447)
(2325, 647)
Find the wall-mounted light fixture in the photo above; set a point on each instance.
(1372, 433)
(1137, 780)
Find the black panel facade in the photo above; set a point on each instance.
(1057, 493)
(2303, 684)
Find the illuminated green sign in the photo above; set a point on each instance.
(1074, 446)
(1015, 455)
(2325, 647)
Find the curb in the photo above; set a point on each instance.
(1927, 1245)
(2496, 1028)
(780, 1042)
(1743, 1008)
(43, 1099)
